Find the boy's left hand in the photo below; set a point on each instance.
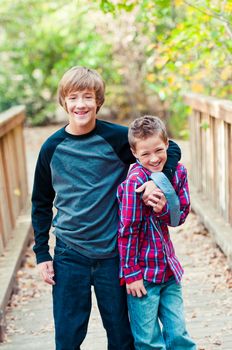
(152, 196)
(136, 289)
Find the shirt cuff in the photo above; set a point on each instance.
(132, 273)
(166, 187)
(42, 257)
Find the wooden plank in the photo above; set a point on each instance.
(226, 145)
(1, 232)
(16, 165)
(218, 108)
(230, 171)
(193, 149)
(198, 102)
(11, 118)
(208, 157)
(213, 163)
(221, 164)
(225, 111)
(204, 130)
(198, 147)
(193, 153)
(21, 163)
(216, 168)
(216, 204)
(192, 174)
(5, 207)
(11, 180)
(24, 165)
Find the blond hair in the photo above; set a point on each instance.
(143, 127)
(81, 78)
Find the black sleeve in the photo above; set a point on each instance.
(174, 155)
(117, 136)
(43, 196)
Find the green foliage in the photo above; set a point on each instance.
(37, 49)
(189, 49)
(150, 53)
(109, 6)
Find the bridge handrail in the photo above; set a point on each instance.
(13, 175)
(211, 151)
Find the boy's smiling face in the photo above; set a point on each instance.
(151, 152)
(81, 107)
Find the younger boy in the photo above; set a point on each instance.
(78, 170)
(148, 263)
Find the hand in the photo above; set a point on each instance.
(136, 288)
(160, 201)
(148, 188)
(152, 196)
(47, 271)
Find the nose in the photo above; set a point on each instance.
(153, 159)
(80, 103)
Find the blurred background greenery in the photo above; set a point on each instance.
(149, 52)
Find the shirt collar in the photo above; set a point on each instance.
(148, 172)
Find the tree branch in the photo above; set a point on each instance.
(208, 13)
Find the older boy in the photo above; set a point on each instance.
(149, 265)
(78, 171)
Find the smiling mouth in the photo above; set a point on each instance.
(156, 165)
(81, 113)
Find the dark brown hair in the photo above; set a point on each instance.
(146, 126)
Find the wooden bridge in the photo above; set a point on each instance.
(211, 191)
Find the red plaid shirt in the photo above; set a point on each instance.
(145, 248)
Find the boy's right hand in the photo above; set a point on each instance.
(136, 288)
(47, 271)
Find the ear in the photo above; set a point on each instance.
(98, 106)
(167, 144)
(133, 152)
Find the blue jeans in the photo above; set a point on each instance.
(162, 304)
(74, 275)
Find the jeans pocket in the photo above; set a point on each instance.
(59, 251)
(60, 248)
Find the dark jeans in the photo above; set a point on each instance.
(74, 275)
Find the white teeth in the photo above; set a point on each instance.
(82, 113)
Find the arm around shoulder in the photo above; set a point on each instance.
(182, 199)
(173, 157)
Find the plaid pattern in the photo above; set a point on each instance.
(145, 248)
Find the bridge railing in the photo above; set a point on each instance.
(13, 177)
(15, 225)
(211, 162)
